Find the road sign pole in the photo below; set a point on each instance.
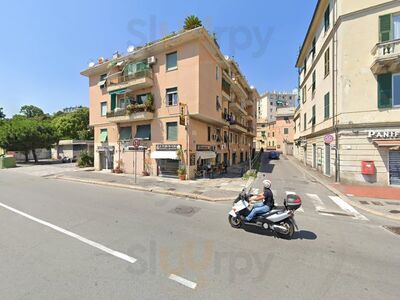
(135, 165)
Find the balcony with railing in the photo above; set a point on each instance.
(386, 57)
(237, 127)
(226, 89)
(138, 80)
(130, 114)
(238, 108)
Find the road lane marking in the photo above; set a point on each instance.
(183, 281)
(73, 235)
(319, 205)
(348, 208)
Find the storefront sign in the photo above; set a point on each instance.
(167, 147)
(203, 148)
(383, 134)
(329, 138)
(105, 148)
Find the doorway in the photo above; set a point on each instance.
(314, 153)
(394, 168)
(327, 160)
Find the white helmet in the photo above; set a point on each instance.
(267, 184)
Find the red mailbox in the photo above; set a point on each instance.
(367, 167)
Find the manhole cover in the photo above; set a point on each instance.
(184, 210)
(393, 229)
(394, 211)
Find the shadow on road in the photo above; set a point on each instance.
(266, 167)
(298, 235)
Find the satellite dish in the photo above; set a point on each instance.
(130, 49)
(91, 64)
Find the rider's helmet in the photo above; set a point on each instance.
(267, 184)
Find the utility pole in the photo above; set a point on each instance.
(187, 144)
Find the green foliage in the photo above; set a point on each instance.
(86, 159)
(2, 115)
(31, 111)
(24, 134)
(182, 171)
(192, 22)
(249, 174)
(73, 125)
(149, 101)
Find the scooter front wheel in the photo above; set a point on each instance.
(235, 221)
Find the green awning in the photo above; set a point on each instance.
(103, 136)
(118, 92)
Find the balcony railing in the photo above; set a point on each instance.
(124, 115)
(141, 79)
(226, 87)
(385, 54)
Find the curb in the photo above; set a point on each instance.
(343, 196)
(143, 189)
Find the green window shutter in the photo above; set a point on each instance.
(385, 90)
(103, 135)
(172, 131)
(385, 28)
(113, 101)
(326, 106)
(125, 133)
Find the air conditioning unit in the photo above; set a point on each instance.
(151, 60)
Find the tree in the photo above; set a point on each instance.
(24, 134)
(73, 125)
(31, 111)
(192, 22)
(2, 115)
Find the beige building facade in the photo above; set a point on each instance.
(183, 101)
(347, 125)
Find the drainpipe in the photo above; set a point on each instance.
(334, 99)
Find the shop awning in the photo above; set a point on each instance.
(118, 92)
(164, 155)
(387, 143)
(205, 155)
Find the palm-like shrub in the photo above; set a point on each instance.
(192, 22)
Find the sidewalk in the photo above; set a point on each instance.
(220, 189)
(380, 201)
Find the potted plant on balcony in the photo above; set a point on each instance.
(149, 102)
(182, 173)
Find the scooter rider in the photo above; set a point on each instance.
(263, 203)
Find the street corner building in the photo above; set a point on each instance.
(179, 98)
(347, 124)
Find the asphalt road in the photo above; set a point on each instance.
(63, 240)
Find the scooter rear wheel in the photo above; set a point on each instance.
(235, 221)
(290, 230)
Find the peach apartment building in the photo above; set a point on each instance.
(348, 122)
(180, 97)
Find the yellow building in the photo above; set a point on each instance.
(348, 121)
(178, 93)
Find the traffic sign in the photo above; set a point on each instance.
(136, 143)
(329, 138)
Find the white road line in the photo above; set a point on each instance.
(319, 205)
(73, 235)
(348, 208)
(183, 281)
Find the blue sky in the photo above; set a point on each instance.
(45, 44)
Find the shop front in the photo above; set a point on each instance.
(106, 157)
(167, 159)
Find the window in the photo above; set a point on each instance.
(172, 97)
(133, 68)
(273, 134)
(304, 94)
(172, 131)
(327, 62)
(313, 48)
(217, 103)
(270, 103)
(388, 90)
(143, 132)
(172, 61)
(327, 19)
(313, 82)
(286, 118)
(103, 135)
(230, 138)
(285, 130)
(263, 133)
(313, 116)
(326, 106)
(236, 139)
(396, 90)
(209, 133)
(140, 99)
(103, 108)
(123, 103)
(102, 81)
(269, 134)
(125, 133)
(305, 122)
(263, 125)
(389, 27)
(217, 73)
(305, 67)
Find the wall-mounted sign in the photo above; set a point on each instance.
(383, 134)
(203, 148)
(167, 147)
(329, 138)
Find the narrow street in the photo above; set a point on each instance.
(70, 240)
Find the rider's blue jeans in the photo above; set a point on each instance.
(258, 208)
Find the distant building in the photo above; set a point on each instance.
(71, 149)
(284, 130)
(271, 101)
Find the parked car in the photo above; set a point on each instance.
(274, 155)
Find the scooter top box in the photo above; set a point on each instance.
(292, 201)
